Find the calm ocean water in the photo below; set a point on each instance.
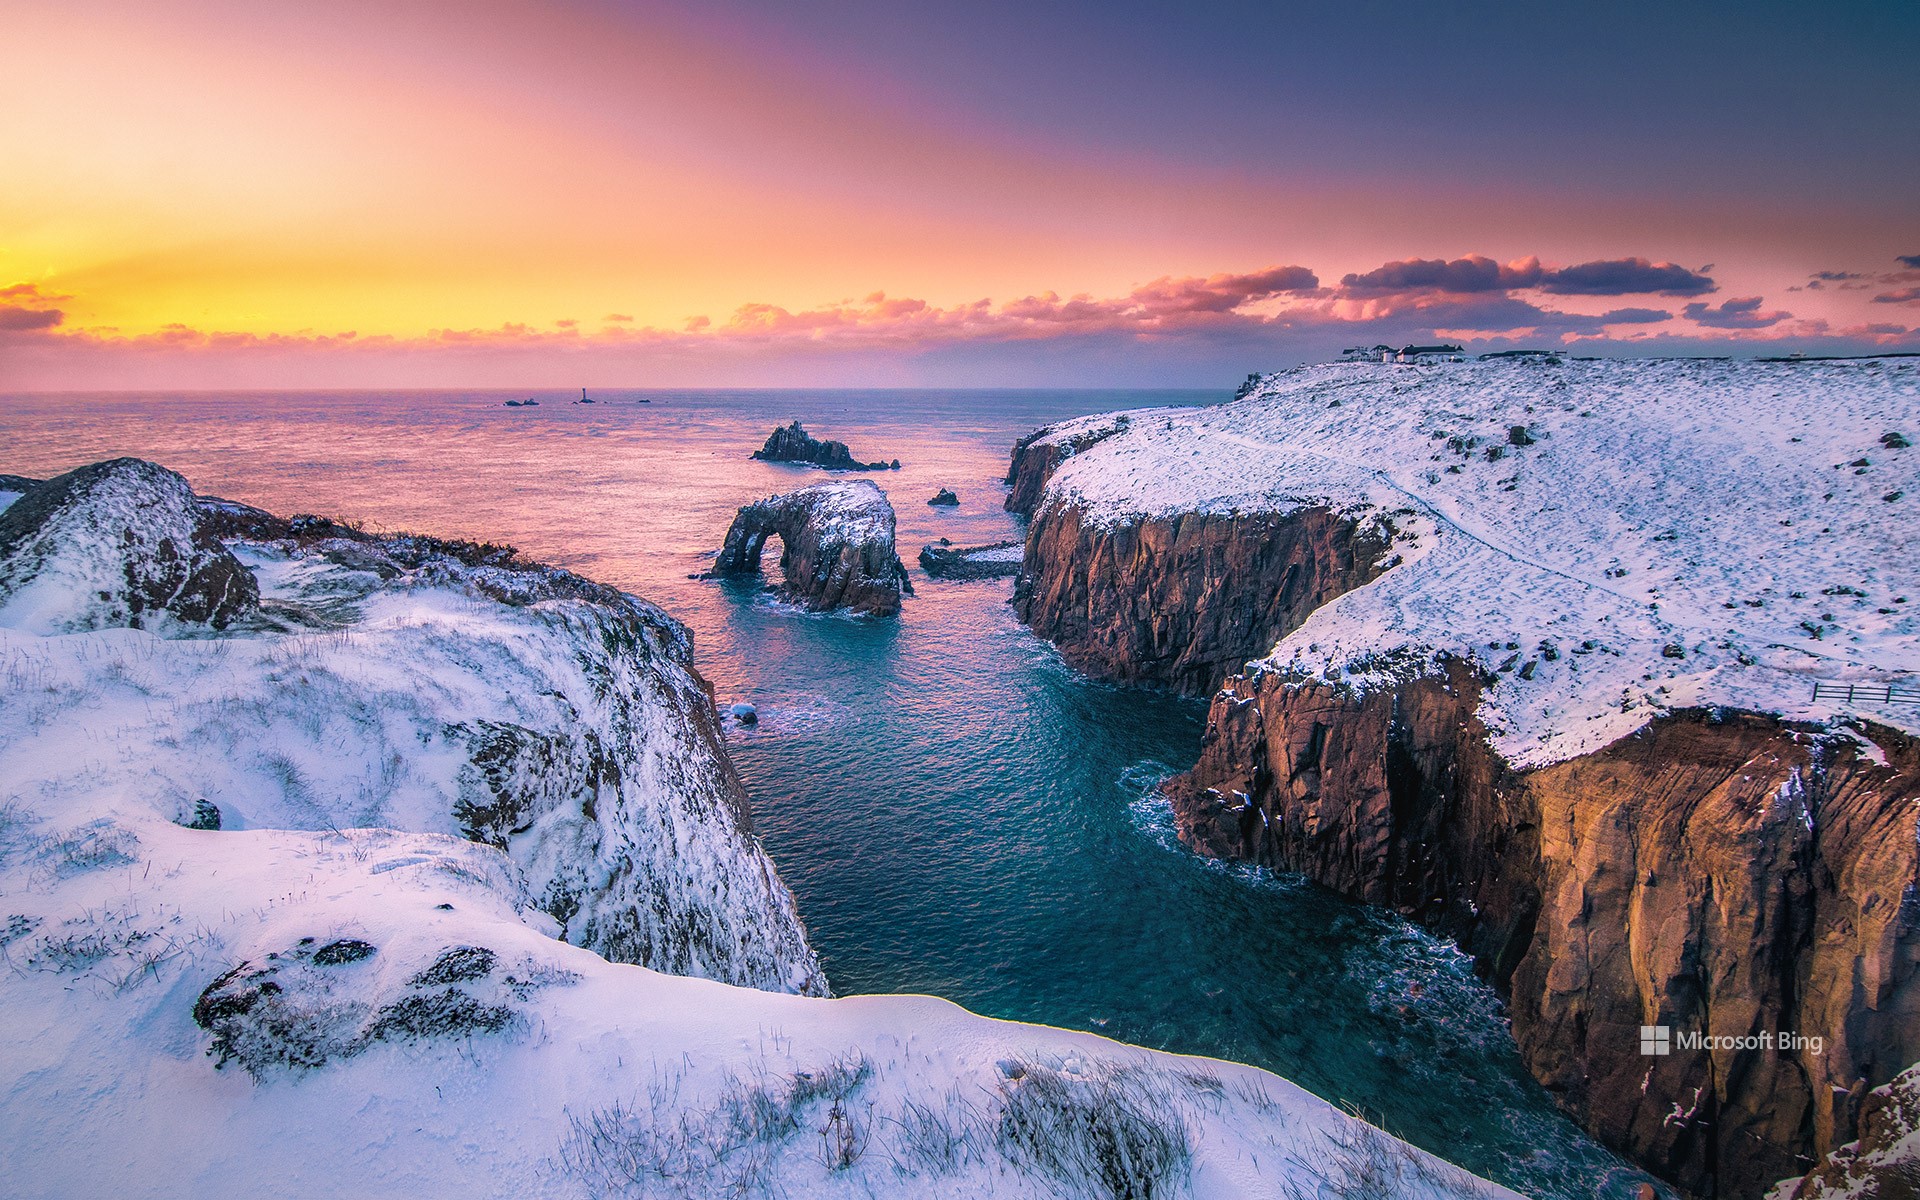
(956, 811)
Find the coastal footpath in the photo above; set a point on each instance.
(344, 863)
(1528, 652)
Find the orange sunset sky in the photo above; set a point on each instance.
(211, 194)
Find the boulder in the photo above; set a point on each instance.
(946, 498)
(837, 546)
(793, 444)
(118, 543)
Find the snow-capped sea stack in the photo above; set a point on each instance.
(1528, 651)
(837, 546)
(117, 543)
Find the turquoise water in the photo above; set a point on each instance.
(956, 811)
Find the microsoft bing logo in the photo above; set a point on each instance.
(1656, 1039)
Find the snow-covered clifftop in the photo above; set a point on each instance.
(325, 903)
(1605, 539)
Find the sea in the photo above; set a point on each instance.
(957, 811)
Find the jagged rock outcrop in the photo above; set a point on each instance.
(837, 547)
(1180, 602)
(1717, 872)
(995, 561)
(793, 444)
(1884, 1163)
(116, 543)
(945, 498)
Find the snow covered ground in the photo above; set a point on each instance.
(325, 902)
(1607, 539)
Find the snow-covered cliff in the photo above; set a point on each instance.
(1554, 657)
(1605, 539)
(427, 876)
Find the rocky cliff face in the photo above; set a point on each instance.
(404, 684)
(1723, 873)
(1036, 456)
(1182, 601)
(837, 547)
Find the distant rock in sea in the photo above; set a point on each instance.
(837, 546)
(793, 444)
(945, 498)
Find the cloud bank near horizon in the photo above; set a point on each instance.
(1198, 329)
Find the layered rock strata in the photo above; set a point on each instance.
(837, 547)
(1181, 601)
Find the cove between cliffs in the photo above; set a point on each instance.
(956, 810)
(1713, 869)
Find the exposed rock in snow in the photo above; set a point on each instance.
(1040, 453)
(114, 544)
(1884, 1164)
(972, 562)
(287, 911)
(793, 444)
(836, 542)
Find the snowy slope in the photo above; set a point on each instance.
(1607, 539)
(350, 988)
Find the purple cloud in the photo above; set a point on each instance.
(1743, 313)
(1462, 276)
(1626, 277)
(14, 319)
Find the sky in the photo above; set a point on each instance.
(866, 193)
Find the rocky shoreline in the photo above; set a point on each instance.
(1714, 869)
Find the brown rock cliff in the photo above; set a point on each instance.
(1723, 873)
